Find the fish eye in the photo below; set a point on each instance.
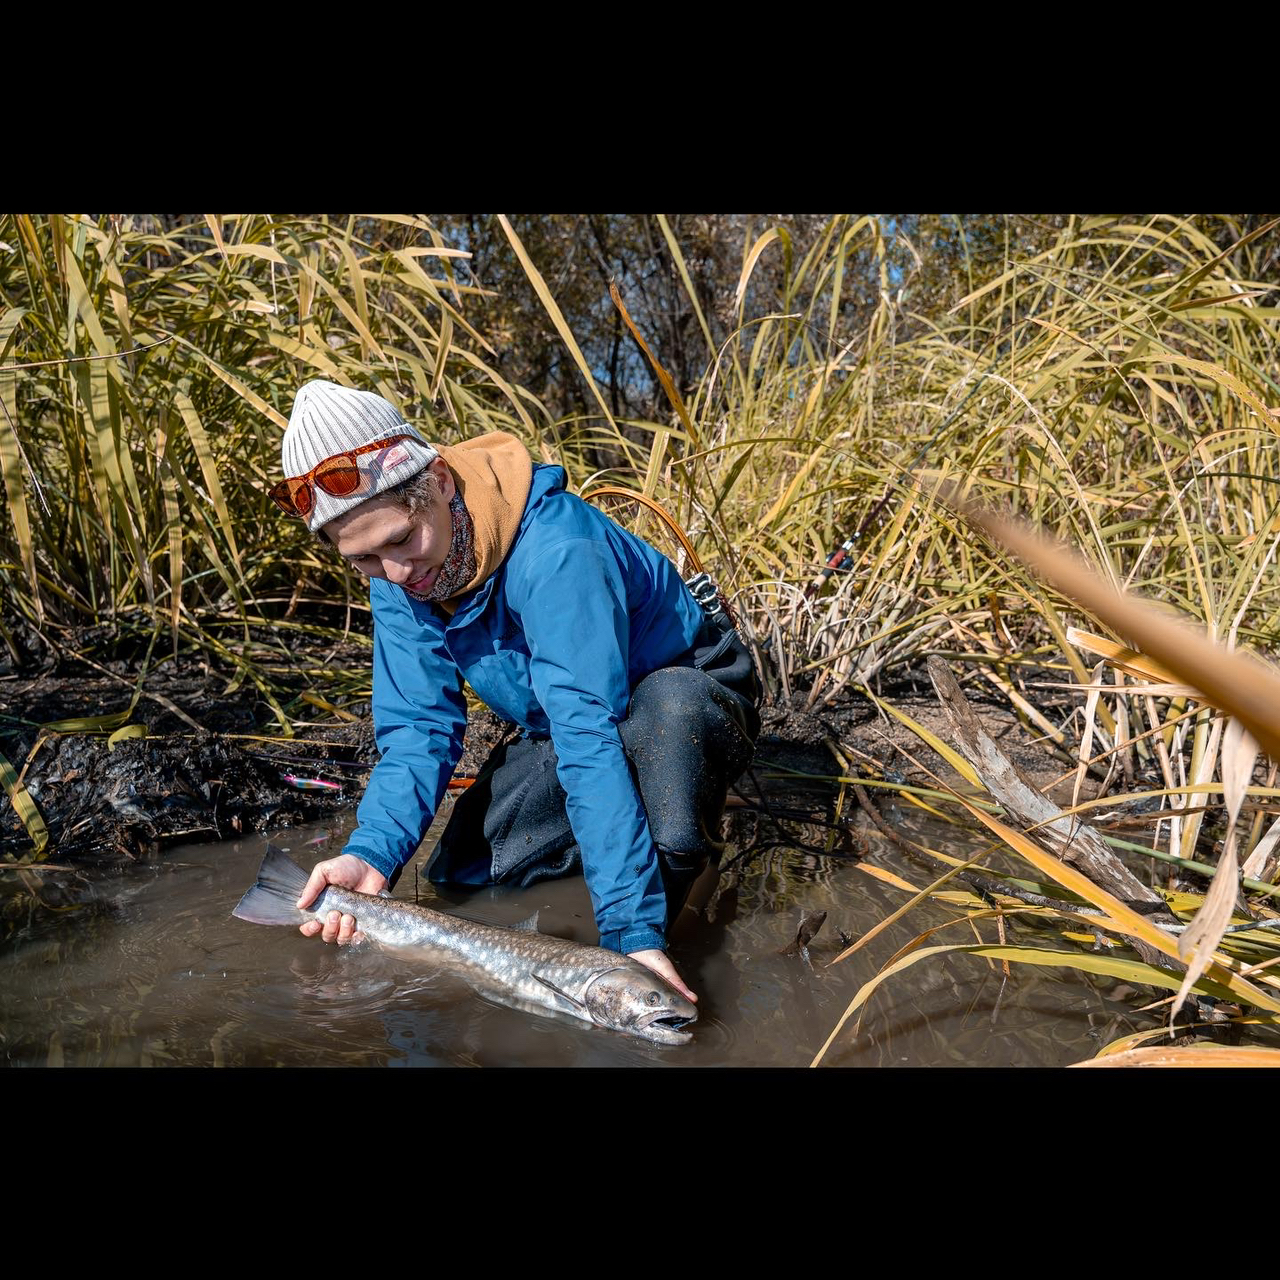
(654, 998)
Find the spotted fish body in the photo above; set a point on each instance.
(517, 966)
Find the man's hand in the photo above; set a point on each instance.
(658, 962)
(347, 872)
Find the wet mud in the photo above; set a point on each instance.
(228, 774)
(214, 766)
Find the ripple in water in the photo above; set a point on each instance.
(157, 972)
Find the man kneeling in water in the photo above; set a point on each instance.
(637, 709)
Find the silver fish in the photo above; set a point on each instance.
(517, 966)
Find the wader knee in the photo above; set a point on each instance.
(679, 871)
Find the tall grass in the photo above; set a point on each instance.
(146, 375)
(1120, 390)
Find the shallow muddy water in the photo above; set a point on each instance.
(156, 972)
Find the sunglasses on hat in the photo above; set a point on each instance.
(338, 476)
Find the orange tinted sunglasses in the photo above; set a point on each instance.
(338, 476)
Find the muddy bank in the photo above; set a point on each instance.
(210, 762)
(796, 737)
(213, 764)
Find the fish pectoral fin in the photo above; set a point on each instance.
(564, 995)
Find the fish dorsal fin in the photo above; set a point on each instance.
(491, 918)
(564, 995)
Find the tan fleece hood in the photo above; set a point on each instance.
(493, 473)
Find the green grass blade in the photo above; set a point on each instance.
(25, 807)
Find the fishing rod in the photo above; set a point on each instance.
(841, 553)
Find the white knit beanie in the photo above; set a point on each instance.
(328, 419)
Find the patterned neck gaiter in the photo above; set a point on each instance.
(460, 564)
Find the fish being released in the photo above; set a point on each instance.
(516, 966)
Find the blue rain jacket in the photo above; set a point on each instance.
(578, 613)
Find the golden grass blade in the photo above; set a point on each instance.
(1270, 417)
(11, 469)
(886, 877)
(657, 456)
(209, 542)
(1239, 753)
(1084, 961)
(557, 317)
(668, 386)
(208, 468)
(686, 281)
(1203, 935)
(1131, 690)
(973, 295)
(25, 807)
(1184, 286)
(512, 394)
(1122, 918)
(1194, 1055)
(1045, 609)
(90, 724)
(215, 228)
(974, 909)
(325, 705)
(1011, 274)
(948, 753)
(113, 450)
(417, 278)
(443, 348)
(9, 328)
(98, 460)
(753, 257)
(797, 484)
(236, 385)
(1086, 735)
(1257, 858)
(80, 303)
(1124, 1043)
(1210, 788)
(1204, 760)
(435, 251)
(314, 356)
(125, 733)
(264, 251)
(356, 275)
(1127, 660)
(173, 523)
(1238, 683)
(897, 915)
(1188, 304)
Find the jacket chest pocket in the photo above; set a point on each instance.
(501, 680)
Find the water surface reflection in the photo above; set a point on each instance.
(155, 971)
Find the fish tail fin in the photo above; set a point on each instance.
(279, 886)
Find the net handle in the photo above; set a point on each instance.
(616, 491)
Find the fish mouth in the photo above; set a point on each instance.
(665, 1027)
